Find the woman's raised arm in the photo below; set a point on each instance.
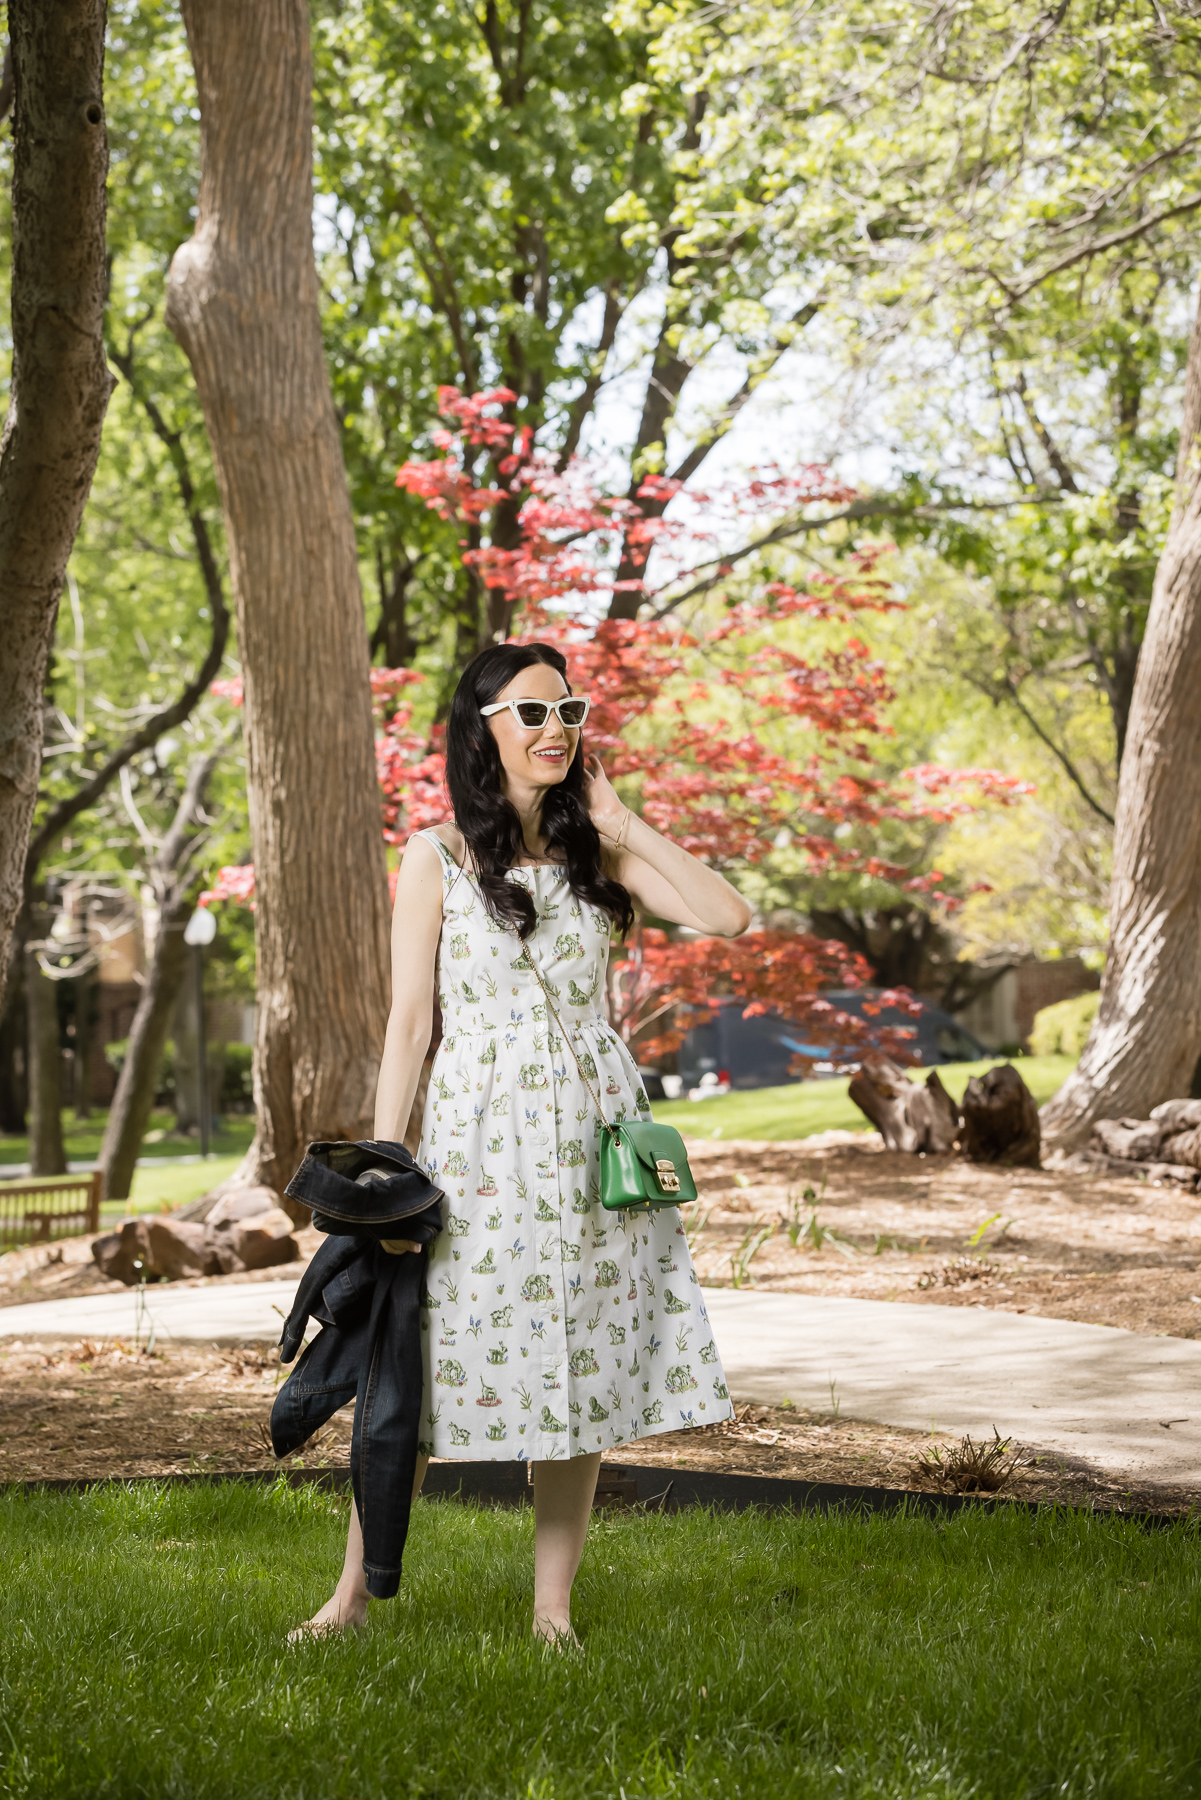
(665, 880)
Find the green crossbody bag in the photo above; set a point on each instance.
(641, 1163)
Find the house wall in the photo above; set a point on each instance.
(1005, 1013)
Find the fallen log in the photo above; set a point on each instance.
(1183, 1147)
(1137, 1140)
(1178, 1115)
(1098, 1162)
(1000, 1120)
(908, 1117)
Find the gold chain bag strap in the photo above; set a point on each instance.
(642, 1164)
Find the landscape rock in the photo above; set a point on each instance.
(241, 1203)
(173, 1248)
(262, 1241)
(153, 1249)
(116, 1252)
(1000, 1120)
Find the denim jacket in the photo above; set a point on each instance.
(369, 1351)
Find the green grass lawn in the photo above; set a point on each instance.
(157, 1189)
(997, 1657)
(804, 1107)
(82, 1138)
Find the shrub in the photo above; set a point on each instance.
(1060, 1030)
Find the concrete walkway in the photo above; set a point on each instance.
(1126, 1404)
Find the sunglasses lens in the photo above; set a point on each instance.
(573, 712)
(533, 713)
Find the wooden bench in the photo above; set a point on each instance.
(33, 1212)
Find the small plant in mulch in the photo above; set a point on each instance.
(969, 1467)
(959, 1272)
(753, 1241)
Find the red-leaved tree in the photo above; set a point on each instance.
(724, 736)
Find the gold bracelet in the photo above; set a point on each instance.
(625, 825)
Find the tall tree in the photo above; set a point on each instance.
(508, 208)
(243, 302)
(60, 383)
(1146, 1042)
(174, 886)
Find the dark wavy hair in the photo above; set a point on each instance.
(490, 823)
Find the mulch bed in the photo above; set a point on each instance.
(90, 1411)
(1101, 1249)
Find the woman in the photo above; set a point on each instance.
(555, 1329)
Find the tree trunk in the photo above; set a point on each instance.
(242, 300)
(85, 1024)
(187, 1060)
(60, 381)
(133, 1101)
(14, 1051)
(46, 1153)
(1145, 1041)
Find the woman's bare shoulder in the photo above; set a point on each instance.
(449, 835)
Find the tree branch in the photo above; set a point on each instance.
(858, 509)
(1057, 751)
(61, 815)
(1095, 248)
(1051, 450)
(761, 368)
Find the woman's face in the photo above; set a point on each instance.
(534, 758)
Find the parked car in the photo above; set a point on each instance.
(758, 1052)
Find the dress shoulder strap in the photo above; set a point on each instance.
(450, 868)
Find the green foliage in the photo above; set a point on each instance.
(990, 1654)
(1061, 1030)
(237, 1089)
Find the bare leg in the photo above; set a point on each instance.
(563, 1494)
(347, 1606)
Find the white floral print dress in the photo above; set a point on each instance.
(551, 1328)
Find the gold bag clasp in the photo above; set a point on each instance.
(669, 1181)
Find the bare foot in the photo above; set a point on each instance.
(556, 1632)
(336, 1616)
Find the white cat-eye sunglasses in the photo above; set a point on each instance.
(533, 714)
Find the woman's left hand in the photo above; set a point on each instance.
(605, 808)
(398, 1246)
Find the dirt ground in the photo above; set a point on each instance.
(91, 1410)
(935, 1230)
(833, 1217)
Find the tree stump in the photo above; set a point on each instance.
(908, 1117)
(1000, 1120)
